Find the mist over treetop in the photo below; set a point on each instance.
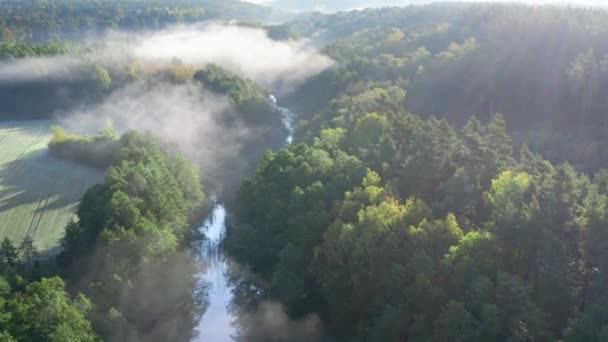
(349, 5)
(419, 173)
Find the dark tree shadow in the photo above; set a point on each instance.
(39, 180)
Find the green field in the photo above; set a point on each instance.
(38, 193)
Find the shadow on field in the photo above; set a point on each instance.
(9, 129)
(49, 252)
(41, 180)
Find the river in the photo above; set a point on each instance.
(218, 322)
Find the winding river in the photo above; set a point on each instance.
(218, 322)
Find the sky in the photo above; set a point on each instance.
(336, 5)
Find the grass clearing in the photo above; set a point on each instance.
(38, 193)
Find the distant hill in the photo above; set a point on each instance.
(39, 21)
(347, 5)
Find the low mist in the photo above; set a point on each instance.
(246, 50)
(50, 68)
(277, 65)
(348, 5)
(183, 116)
(270, 323)
(190, 119)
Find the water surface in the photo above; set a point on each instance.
(218, 324)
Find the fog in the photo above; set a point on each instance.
(184, 116)
(243, 49)
(188, 118)
(30, 69)
(181, 115)
(346, 5)
(270, 323)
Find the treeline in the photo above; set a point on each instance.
(40, 88)
(34, 88)
(393, 227)
(97, 151)
(41, 21)
(20, 50)
(37, 309)
(128, 245)
(250, 109)
(248, 98)
(543, 67)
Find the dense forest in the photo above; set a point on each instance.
(446, 181)
(131, 229)
(544, 68)
(71, 32)
(127, 240)
(40, 21)
(441, 226)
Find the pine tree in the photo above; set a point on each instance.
(28, 251)
(8, 253)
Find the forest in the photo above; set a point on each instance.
(129, 226)
(40, 21)
(456, 224)
(445, 179)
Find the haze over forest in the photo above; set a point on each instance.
(221, 170)
(347, 5)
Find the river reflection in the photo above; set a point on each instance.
(231, 291)
(217, 322)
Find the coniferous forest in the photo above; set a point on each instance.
(445, 176)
